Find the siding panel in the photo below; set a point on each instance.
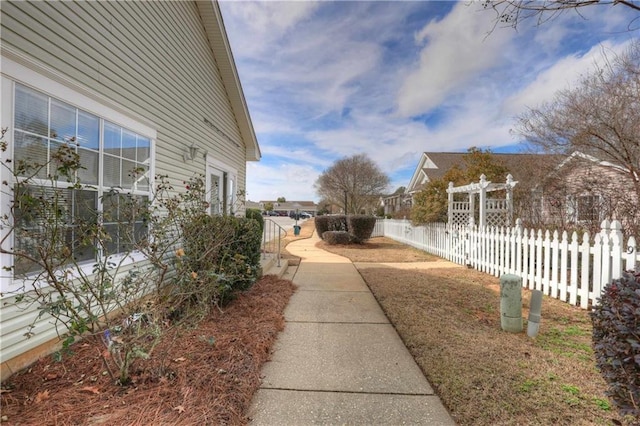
(153, 59)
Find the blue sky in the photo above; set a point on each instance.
(330, 79)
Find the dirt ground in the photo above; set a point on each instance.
(200, 376)
(448, 318)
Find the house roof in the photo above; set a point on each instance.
(434, 165)
(217, 35)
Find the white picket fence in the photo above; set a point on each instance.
(568, 268)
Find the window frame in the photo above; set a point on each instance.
(593, 205)
(59, 88)
(227, 196)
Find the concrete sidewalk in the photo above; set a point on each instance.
(339, 361)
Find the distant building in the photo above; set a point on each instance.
(291, 206)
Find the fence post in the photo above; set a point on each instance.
(606, 257)
(564, 265)
(630, 255)
(555, 247)
(573, 282)
(616, 250)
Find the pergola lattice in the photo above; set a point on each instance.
(491, 211)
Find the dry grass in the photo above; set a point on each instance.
(449, 320)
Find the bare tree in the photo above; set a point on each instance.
(353, 182)
(513, 12)
(599, 117)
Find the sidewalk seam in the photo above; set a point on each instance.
(348, 392)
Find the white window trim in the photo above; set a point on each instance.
(13, 72)
(232, 173)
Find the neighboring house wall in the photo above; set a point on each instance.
(585, 191)
(163, 70)
(396, 203)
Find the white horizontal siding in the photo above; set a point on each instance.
(152, 59)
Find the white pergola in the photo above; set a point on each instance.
(491, 212)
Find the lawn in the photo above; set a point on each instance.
(449, 320)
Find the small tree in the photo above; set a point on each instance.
(356, 183)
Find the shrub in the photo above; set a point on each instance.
(616, 341)
(256, 215)
(360, 227)
(330, 223)
(337, 237)
(223, 256)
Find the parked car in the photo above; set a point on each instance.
(304, 215)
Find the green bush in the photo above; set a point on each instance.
(337, 237)
(360, 227)
(330, 223)
(255, 214)
(223, 256)
(616, 341)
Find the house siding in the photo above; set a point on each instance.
(154, 62)
(583, 178)
(152, 58)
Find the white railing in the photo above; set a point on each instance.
(562, 266)
(272, 235)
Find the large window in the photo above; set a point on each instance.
(115, 168)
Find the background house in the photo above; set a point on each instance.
(564, 191)
(434, 165)
(582, 191)
(150, 85)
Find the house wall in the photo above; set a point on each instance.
(151, 62)
(559, 194)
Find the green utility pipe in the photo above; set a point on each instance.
(511, 303)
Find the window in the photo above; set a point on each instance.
(221, 187)
(116, 167)
(588, 208)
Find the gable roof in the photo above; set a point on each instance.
(434, 165)
(221, 49)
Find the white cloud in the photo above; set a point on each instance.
(324, 80)
(263, 23)
(457, 49)
(561, 75)
(294, 182)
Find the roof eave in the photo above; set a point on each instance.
(219, 43)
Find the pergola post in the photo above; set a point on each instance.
(450, 199)
(509, 189)
(483, 201)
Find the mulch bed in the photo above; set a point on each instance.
(204, 375)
